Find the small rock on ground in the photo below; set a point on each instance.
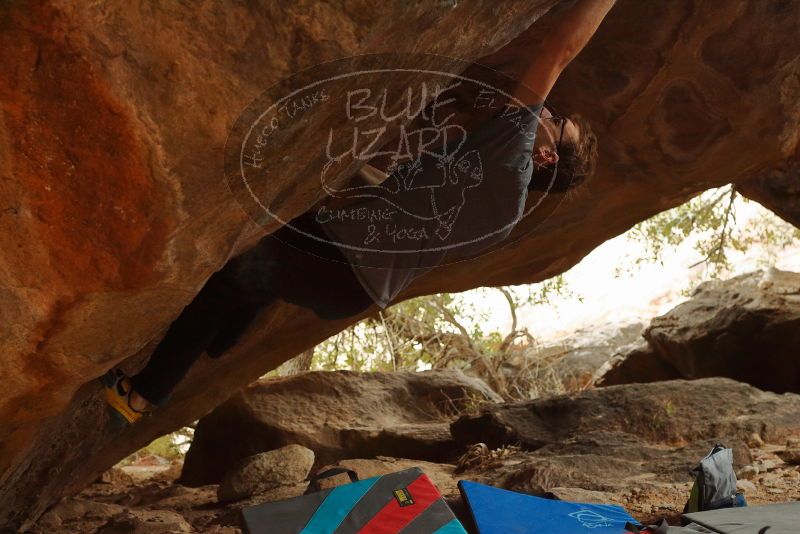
(146, 522)
(265, 471)
(790, 456)
(745, 486)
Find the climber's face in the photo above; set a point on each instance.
(548, 133)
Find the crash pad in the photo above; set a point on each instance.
(499, 511)
(783, 518)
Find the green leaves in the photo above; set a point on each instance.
(711, 223)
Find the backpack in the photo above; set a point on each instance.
(714, 483)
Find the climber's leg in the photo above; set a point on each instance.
(118, 392)
(185, 341)
(288, 267)
(212, 322)
(234, 325)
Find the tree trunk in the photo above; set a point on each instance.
(298, 364)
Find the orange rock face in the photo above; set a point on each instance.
(82, 212)
(114, 209)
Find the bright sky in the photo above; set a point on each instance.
(648, 290)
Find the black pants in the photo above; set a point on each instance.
(285, 266)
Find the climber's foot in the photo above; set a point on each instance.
(123, 403)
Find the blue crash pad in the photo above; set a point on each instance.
(499, 511)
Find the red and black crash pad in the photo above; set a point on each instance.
(405, 502)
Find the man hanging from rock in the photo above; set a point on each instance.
(446, 205)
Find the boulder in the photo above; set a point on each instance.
(790, 456)
(573, 363)
(669, 413)
(746, 328)
(589, 350)
(114, 210)
(632, 444)
(777, 190)
(639, 364)
(116, 476)
(266, 471)
(338, 415)
(77, 509)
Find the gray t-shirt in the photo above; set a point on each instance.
(465, 194)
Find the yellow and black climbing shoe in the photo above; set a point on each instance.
(117, 389)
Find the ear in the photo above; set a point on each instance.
(545, 157)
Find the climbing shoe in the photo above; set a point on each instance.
(117, 390)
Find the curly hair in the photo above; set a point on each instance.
(576, 162)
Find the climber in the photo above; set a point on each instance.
(554, 154)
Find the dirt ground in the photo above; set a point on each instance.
(144, 497)
(767, 480)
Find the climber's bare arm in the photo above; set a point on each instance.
(574, 27)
